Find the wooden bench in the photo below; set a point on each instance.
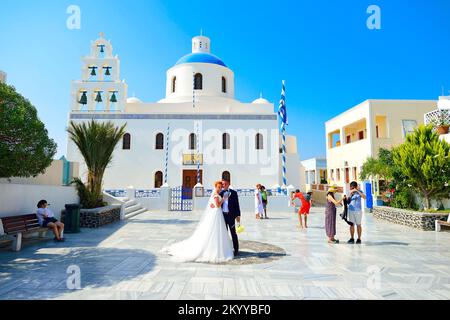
(17, 226)
(440, 223)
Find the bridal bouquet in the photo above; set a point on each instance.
(240, 229)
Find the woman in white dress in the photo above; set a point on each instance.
(210, 241)
(259, 208)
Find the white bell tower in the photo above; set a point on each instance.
(100, 88)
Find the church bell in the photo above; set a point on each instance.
(98, 98)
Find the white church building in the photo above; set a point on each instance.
(199, 131)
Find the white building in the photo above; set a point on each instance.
(440, 116)
(360, 132)
(315, 170)
(236, 139)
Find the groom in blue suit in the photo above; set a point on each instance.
(231, 212)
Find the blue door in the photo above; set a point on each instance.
(368, 192)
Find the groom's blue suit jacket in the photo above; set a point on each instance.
(233, 203)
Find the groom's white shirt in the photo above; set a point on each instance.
(225, 204)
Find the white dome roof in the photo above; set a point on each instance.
(133, 100)
(261, 101)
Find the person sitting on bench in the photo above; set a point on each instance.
(47, 220)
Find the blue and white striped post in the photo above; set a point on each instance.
(198, 153)
(197, 134)
(193, 90)
(166, 164)
(284, 122)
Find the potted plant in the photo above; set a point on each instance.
(441, 124)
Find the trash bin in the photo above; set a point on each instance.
(72, 218)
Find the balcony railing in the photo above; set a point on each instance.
(192, 159)
(437, 117)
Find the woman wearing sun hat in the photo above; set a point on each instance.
(330, 214)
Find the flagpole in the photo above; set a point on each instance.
(284, 157)
(197, 134)
(198, 154)
(283, 113)
(166, 164)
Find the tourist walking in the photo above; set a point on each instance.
(355, 211)
(330, 215)
(259, 209)
(264, 201)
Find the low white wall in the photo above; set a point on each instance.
(18, 199)
(154, 204)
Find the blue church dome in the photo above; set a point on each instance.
(201, 57)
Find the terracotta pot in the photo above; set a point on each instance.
(442, 130)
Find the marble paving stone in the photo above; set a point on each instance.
(124, 261)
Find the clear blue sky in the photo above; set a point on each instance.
(330, 60)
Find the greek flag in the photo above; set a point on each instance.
(282, 109)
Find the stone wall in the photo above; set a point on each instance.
(415, 219)
(95, 218)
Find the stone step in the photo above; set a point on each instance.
(132, 208)
(130, 203)
(135, 213)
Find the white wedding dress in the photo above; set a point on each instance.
(210, 241)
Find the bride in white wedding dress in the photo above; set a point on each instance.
(210, 241)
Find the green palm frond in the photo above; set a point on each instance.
(96, 142)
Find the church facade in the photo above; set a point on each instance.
(198, 133)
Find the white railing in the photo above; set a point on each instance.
(436, 117)
(249, 192)
(117, 193)
(149, 193)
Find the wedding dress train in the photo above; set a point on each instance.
(210, 241)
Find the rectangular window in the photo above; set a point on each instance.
(378, 134)
(338, 174)
(408, 127)
(349, 139)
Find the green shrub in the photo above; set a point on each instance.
(403, 199)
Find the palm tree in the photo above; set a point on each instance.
(96, 143)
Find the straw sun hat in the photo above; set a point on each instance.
(333, 188)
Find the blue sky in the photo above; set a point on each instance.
(330, 60)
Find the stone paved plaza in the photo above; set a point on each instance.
(122, 261)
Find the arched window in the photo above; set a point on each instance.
(174, 84)
(226, 176)
(259, 142)
(224, 85)
(192, 141)
(226, 141)
(198, 81)
(126, 143)
(158, 179)
(159, 143)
